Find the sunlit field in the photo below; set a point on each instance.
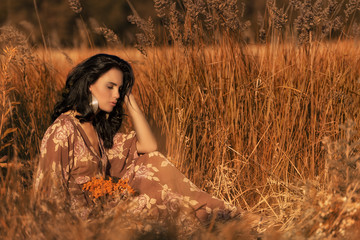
(265, 127)
(271, 127)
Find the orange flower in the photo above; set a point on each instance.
(99, 187)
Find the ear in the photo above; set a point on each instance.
(90, 88)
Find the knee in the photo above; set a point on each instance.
(154, 156)
(156, 159)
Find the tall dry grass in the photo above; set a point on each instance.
(250, 121)
(245, 124)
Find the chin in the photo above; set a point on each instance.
(107, 110)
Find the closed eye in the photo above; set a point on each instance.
(111, 85)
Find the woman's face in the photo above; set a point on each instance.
(106, 89)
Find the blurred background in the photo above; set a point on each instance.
(63, 27)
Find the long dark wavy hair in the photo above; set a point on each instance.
(76, 94)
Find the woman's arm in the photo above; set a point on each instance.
(146, 141)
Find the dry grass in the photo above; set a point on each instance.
(245, 124)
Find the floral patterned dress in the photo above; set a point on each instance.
(68, 161)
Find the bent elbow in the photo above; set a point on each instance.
(147, 148)
(154, 147)
(151, 148)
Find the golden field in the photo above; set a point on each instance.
(272, 128)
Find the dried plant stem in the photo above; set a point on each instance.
(87, 32)
(40, 25)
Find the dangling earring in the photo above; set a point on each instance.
(94, 103)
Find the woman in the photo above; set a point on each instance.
(84, 142)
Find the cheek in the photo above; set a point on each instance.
(104, 92)
(101, 92)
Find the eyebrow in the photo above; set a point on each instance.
(112, 83)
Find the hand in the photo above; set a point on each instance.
(129, 100)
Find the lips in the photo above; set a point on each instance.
(113, 104)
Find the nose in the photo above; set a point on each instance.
(116, 94)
